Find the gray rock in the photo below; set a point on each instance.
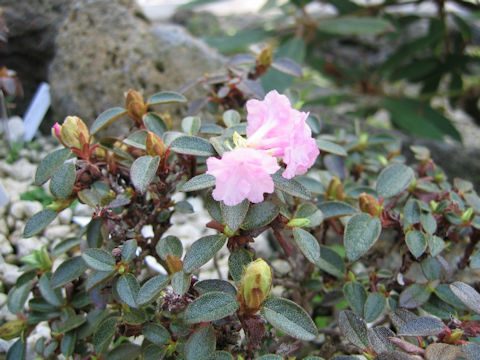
(31, 208)
(106, 47)
(9, 273)
(5, 246)
(57, 232)
(19, 170)
(26, 246)
(65, 217)
(23, 208)
(3, 226)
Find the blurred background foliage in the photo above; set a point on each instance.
(406, 64)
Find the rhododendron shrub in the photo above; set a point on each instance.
(307, 233)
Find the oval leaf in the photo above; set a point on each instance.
(331, 147)
(333, 209)
(192, 145)
(156, 333)
(290, 318)
(260, 215)
(290, 186)
(199, 182)
(414, 296)
(38, 222)
(181, 282)
(151, 289)
(374, 306)
(356, 296)
(62, 182)
(69, 270)
(211, 306)
(143, 171)
(308, 244)
(234, 215)
(331, 262)
(287, 66)
(166, 97)
(50, 164)
(467, 295)
(393, 180)
(99, 260)
(201, 344)
(353, 328)
(416, 242)
(154, 123)
(361, 232)
(422, 326)
(127, 288)
(201, 251)
(106, 118)
(169, 245)
(210, 285)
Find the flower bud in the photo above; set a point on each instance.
(154, 145)
(369, 204)
(335, 189)
(73, 132)
(135, 105)
(255, 284)
(12, 329)
(266, 56)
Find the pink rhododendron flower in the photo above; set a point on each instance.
(56, 129)
(243, 173)
(274, 126)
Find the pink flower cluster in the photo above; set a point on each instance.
(275, 131)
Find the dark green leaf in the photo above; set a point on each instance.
(191, 125)
(192, 145)
(156, 333)
(237, 260)
(69, 270)
(96, 278)
(288, 66)
(128, 289)
(94, 233)
(378, 339)
(66, 245)
(165, 97)
(331, 147)
(471, 351)
(137, 139)
(422, 326)
(104, 334)
(155, 124)
(431, 267)
(234, 215)
(106, 118)
(353, 328)
(199, 182)
(349, 25)
(308, 244)
(435, 244)
(129, 249)
(210, 285)
(467, 295)
(333, 209)
(374, 306)
(393, 180)
(38, 222)
(151, 289)
(17, 297)
(356, 296)
(291, 187)
(123, 351)
(50, 165)
(290, 318)
(416, 242)
(68, 343)
(221, 355)
(414, 296)
(169, 245)
(201, 344)
(99, 259)
(211, 306)
(143, 171)
(361, 232)
(260, 215)
(311, 212)
(17, 350)
(201, 251)
(181, 282)
(71, 323)
(331, 262)
(53, 297)
(443, 292)
(154, 352)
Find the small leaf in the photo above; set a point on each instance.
(154, 352)
(192, 145)
(287, 66)
(309, 211)
(38, 222)
(210, 285)
(422, 326)
(66, 245)
(201, 251)
(53, 297)
(151, 289)
(237, 260)
(356, 296)
(67, 346)
(471, 351)
(211, 306)
(71, 323)
(435, 244)
(199, 182)
(374, 306)
(431, 267)
(308, 244)
(191, 125)
(331, 262)
(361, 232)
(289, 318)
(393, 180)
(234, 215)
(201, 344)
(414, 296)
(291, 187)
(104, 334)
(17, 350)
(123, 351)
(166, 97)
(106, 118)
(156, 333)
(98, 259)
(378, 339)
(331, 147)
(181, 282)
(96, 278)
(416, 242)
(353, 328)
(438, 351)
(333, 209)
(401, 316)
(50, 164)
(129, 249)
(270, 357)
(128, 288)
(69, 270)
(260, 215)
(154, 123)
(17, 297)
(221, 355)
(353, 25)
(169, 245)
(143, 171)
(231, 118)
(467, 295)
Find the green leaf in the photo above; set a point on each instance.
(287, 66)
(67, 346)
(361, 232)
(17, 350)
(66, 245)
(38, 222)
(71, 323)
(128, 288)
(17, 296)
(422, 326)
(231, 117)
(237, 260)
(311, 212)
(103, 336)
(169, 245)
(137, 139)
(416, 242)
(192, 145)
(414, 296)
(374, 306)
(53, 297)
(151, 289)
(234, 215)
(331, 147)
(393, 180)
(201, 251)
(123, 351)
(210, 285)
(432, 269)
(94, 233)
(129, 249)
(221, 355)
(290, 318)
(143, 171)
(435, 244)
(50, 164)
(99, 259)
(378, 339)
(166, 97)
(154, 352)
(356, 296)
(290, 186)
(260, 215)
(201, 344)
(428, 222)
(69, 270)
(199, 182)
(308, 244)
(353, 328)
(333, 209)
(349, 25)
(106, 118)
(270, 357)
(154, 123)
(444, 292)
(471, 351)
(191, 125)
(211, 306)
(156, 333)
(331, 262)
(181, 282)
(467, 295)
(96, 278)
